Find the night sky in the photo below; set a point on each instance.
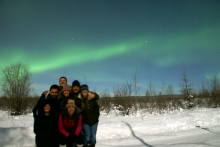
(102, 42)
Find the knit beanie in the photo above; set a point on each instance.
(66, 87)
(70, 103)
(76, 83)
(84, 87)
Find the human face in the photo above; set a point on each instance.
(75, 89)
(54, 93)
(63, 82)
(84, 93)
(70, 110)
(47, 108)
(66, 93)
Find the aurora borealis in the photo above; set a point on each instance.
(103, 42)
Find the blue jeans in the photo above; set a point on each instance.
(89, 133)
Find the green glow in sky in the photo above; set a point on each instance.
(162, 50)
(209, 76)
(70, 55)
(183, 48)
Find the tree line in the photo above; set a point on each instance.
(126, 100)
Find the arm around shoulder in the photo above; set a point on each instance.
(93, 95)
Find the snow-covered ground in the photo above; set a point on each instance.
(185, 128)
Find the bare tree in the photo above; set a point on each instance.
(186, 87)
(135, 82)
(16, 85)
(117, 90)
(104, 93)
(129, 87)
(105, 104)
(205, 90)
(147, 93)
(163, 86)
(215, 89)
(151, 90)
(169, 90)
(123, 90)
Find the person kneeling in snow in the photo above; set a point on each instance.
(69, 124)
(45, 125)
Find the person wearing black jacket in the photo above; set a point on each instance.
(45, 125)
(76, 91)
(53, 97)
(65, 96)
(90, 116)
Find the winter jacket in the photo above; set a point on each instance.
(45, 127)
(54, 102)
(75, 95)
(90, 110)
(59, 92)
(66, 126)
(63, 101)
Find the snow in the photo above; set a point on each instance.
(184, 128)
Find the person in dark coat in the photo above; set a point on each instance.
(90, 116)
(53, 97)
(69, 124)
(65, 96)
(62, 83)
(76, 91)
(45, 125)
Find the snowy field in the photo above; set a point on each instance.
(185, 128)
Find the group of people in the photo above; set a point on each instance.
(67, 116)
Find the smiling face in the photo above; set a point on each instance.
(70, 110)
(66, 93)
(84, 93)
(47, 109)
(76, 89)
(63, 82)
(54, 93)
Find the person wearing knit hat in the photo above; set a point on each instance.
(76, 83)
(67, 88)
(84, 87)
(66, 94)
(70, 103)
(69, 124)
(76, 87)
(90, 114)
